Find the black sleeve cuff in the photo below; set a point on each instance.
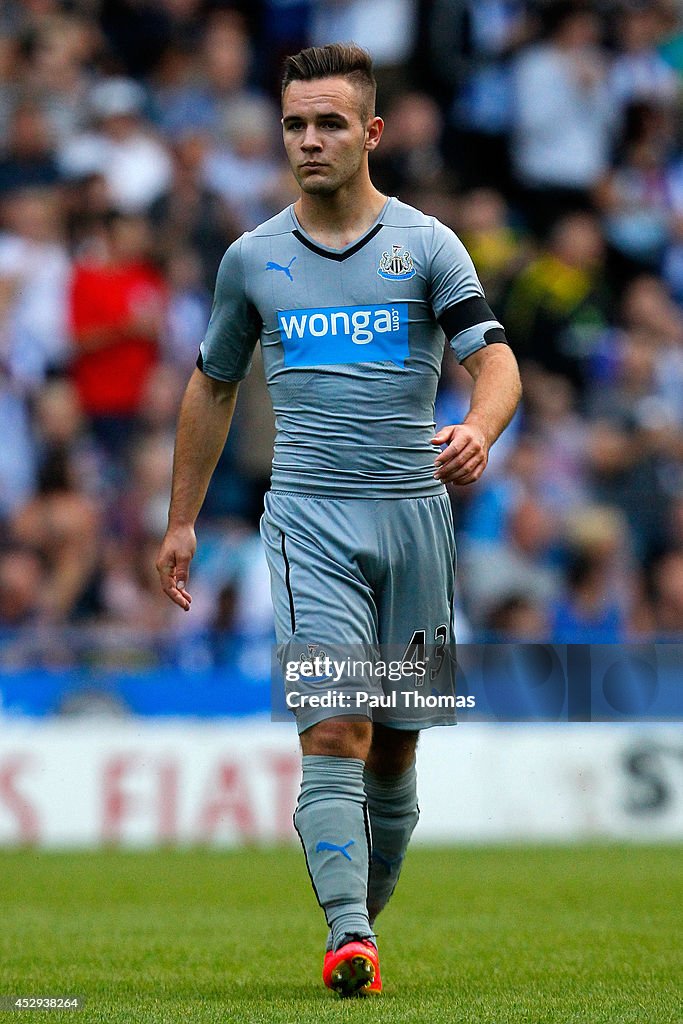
(496, 336)
(462, 315)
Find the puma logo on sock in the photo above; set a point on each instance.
(388, 864)
(324, 845)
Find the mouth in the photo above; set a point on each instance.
(311, 166)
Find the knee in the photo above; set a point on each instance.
(392, 751)
(334, 738)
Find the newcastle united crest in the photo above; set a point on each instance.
(396, 265)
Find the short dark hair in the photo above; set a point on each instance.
(345, 60)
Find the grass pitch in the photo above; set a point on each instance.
(580, 935)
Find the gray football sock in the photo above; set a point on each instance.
(332, 821)
(392, 805)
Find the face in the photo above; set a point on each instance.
(131, 238)
(326, 138)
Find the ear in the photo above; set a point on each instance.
(373, 133)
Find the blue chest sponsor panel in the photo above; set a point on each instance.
(345, 334)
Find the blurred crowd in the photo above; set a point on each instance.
(139, 138)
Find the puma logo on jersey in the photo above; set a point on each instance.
(271, 265)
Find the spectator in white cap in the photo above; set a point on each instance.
(123, 147)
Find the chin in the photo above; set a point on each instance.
(318, 188)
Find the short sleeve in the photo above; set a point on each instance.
(457, 297)
(234, 326)
(453, 276)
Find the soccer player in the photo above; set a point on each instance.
(352, 295)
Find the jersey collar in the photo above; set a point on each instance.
(338, 254)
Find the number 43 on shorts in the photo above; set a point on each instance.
(416, 652)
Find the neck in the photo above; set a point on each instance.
(338, 219)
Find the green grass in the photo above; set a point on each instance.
(580, 935)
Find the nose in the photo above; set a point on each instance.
(311, 139)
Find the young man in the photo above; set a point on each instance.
(351, 294)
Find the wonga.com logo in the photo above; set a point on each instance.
(345, 334)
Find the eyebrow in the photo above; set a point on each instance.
(329, 116)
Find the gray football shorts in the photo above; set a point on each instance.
(363, 597)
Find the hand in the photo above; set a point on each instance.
(146, 323)
(173, 563)
(145, 312)
(465, 458)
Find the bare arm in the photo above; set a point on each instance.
(496, 394)
(203, 424)
(144, 324)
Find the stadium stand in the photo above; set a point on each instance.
(139, 140)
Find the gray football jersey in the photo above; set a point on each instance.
(352, 344)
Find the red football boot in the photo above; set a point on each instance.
(353, 970)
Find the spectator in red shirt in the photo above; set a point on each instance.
(117, 302)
